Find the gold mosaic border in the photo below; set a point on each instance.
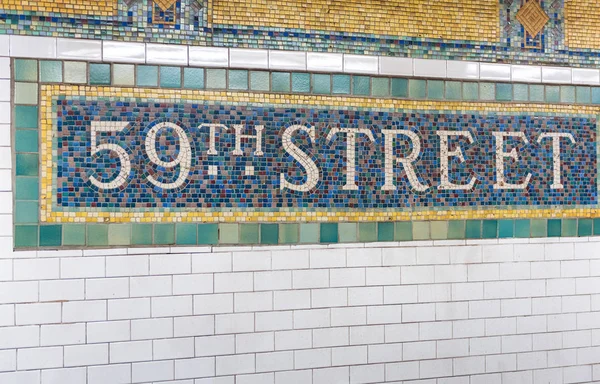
(47, 93)
(70, 7)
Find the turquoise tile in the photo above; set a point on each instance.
(404, 231)
(569, 228)
(289, 233)
(170, 77)
(26, 116)
(554, 227)
(595, 95)
(208, 234)
(341, 84)
(97, 235)
(439, 230)
(417, 89)
(487, 91)
(567, 94)
(141, 234)
(119, 234)
(269, 234)
(249, 233)
(238, 79)
(399, 87)
(259, 81)
(456, 229)
(584, 95)
(348, 232)
(216, 78)
(453, 90)
(385, 231)
(489, 229)
(51, 71)
(26, 236)
(473, 229)
(164, 234)
(596, 227)
(536, 93)
(361, 85)
(367, 232)
(552, 93)
(504, 92)
(193, 78)
(73, 234)
(506, 229)
(521, 92)
(380, 86)
(301, 82)
(100, 74)
(309, 233)
(123, 74)
(186, 234)
(435, 89)
(26, 93)
(584, 227)
(27, 164)
(470, 91)
(321, 84)
(228, 234)
(26, 70)
(27, 188)
(539, 228)
(26, 140)
(26, 212)
(329, 233)
(147, 76)
(280, 81)
(421, 230)
(50, 235)
(76, 72)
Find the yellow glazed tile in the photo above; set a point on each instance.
(72, 7)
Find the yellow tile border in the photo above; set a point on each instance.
(48, 92)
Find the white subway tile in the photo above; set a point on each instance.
(192, 284)
(435, 368)
(473, 365)
(40, 358)
(500, 72)
(147, 329)
(365, 296)
(556, 75)
(501, 363)
(310, 278)
(167, 54)
(130, 351)
(194, 368)
(248, 58)
(547, 341)
(348, 316)
(251, 261)
(255, 342)
(180, 348)
(170, 264)
(33, 46)
(402, 371)
(110, 331)
(236, 364)
(430, 68)
(59, 290)
(208, 56)
(82, 267)
(462, 70)
(272, 280)
(312, 358)
(234, 282)
(386, 314)
(295, 299)
(172, 306)
(64, 375)
(328, 62)
(25, 377)
(194, 326)
(400, 294)
(36, 269)
(294, 377)
(452, 348)
(417, 275)
(114, 51)
(294, 259)
(79, 49)
(468, 328)
(114, 373)
(418, 312)
(419, 350)
(75, 311)
(435, 330)
(395, 66)
(298, 339)
(253, 301)
(361, 64)
(526, 73)
(38, 313)
(313, 318)
(371, 334)
(398, 256)
(396, 333)
(121, 309)
(107, 288)
(150, 371)
(327, 258)
(212, 304)
(4, 45)
(359, 257)
(127, 265)
(234, 323)
(145, 286)
(289, 60)
(82, 355)
(215, 345)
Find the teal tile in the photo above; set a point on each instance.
(99, 74)
(26, 93)
(309, 233)
(27, 188)
(417, 89)
(596, 95)
(141, 234)
(380, 86)
(456, 229)
(238, 79)
(50, 235)
(567, 94)
(435, 89)
(123, 74)
(208, 234)
(216, 78)
(341, 84)
(552, 93)
(26, 212)
(228, 234)
(504, 92)
(26, 116)
(249, 233)
(170, 77)
(489, 229)
(596, 227)
(470, 91)
(26, 140)
(439, 230)
(27, 164)
(539, 228)
(51, 71)
(506, 229)
(193, 78)
(554, 227)
(73, 234)
(321, 84)
(536, 93)
(453, 90)
(569, 228)
(348, 232)
(164, 234)
(521, 92)
(361, 85)
(399, 87)
(269, 234)
(289, 233)
(186, 234)
(301, 82)
(147, 76)
(259, 81)
(367, 232)
(473, 229)
(97, 235)
(584, 227)
(329, 233)
(385, 231)
(487, 91)
(421, 230)
(280, 81)
(584, 95)
(76, 72)
(403, 231)
(26, 236)
(26, 70)
(119, 234)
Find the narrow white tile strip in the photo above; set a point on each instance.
(4, 45)
(4, 112)
(209, 56)
(72, 49)
(429, 68)
(361, 64)
(398, 66)
(124, 52)
(586, 76)
(291, 60)
(462, 70)
(166, 54)
(526, 73)
(332, 62)
(4, 68)
(249, 58)
(494, 72)
(556, 75)
(5, 90)
(33, 46)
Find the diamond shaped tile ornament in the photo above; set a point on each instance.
(165, 4)
(129, 3)
(533, 17)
